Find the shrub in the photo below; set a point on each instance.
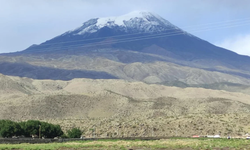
(74, 133)
(64, 136)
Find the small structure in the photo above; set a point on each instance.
(210, 136)
(195, 136)
(216, 136)
(82, 137)
(34, 136)
(14, 137)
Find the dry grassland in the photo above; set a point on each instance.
(118, 108)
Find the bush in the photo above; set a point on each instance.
(64, 136)
(74, 133)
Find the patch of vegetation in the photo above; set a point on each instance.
(31, 127)
(74, 133)
(177, 143)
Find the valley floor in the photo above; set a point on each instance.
(163, 144)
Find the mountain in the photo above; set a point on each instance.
(96, 32)
(111, 104)
(139, 46)
(135, 73)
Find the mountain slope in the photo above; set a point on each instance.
(137, 31)
(70, 67)
(139, 46)
(108, 104)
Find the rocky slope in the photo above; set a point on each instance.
(133, 108)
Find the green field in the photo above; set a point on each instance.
(164, 144)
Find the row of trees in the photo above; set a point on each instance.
(28, 128)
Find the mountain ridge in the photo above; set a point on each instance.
(139, 52)
(149, 22)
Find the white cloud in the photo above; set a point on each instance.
(239, 44)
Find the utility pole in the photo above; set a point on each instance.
(175, 132)
(39, 131)
(152, 131)
(117, 130)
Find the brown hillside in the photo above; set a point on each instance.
(123, 108)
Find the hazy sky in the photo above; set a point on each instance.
(222, 22)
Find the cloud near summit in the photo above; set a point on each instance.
(239, 44)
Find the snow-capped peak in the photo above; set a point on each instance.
(137, 21)
(120, 19)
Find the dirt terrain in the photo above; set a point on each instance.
(119, 108)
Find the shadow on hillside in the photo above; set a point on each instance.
(39, 72)
(244, 75)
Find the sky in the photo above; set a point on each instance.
(225, 23)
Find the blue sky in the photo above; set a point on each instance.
(224, 23)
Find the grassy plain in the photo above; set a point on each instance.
(164, 144)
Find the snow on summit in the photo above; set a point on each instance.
(120, 19)
(136, 21)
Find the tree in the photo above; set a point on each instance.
(31, 127)
(74, 133)
(9, 128)
(50, 131)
